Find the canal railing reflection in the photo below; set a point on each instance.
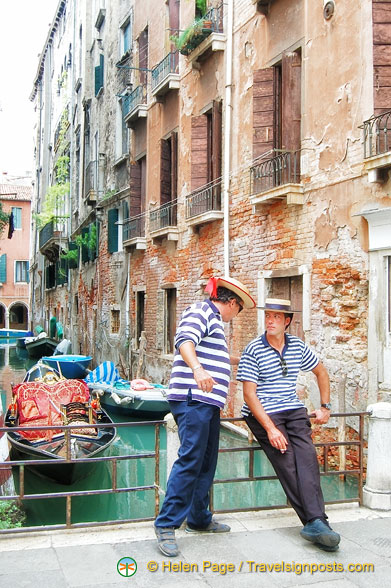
(113, 461)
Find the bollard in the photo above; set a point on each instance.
(172, 441)
(377, 490)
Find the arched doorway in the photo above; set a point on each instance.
(18, 316)
(2, 316)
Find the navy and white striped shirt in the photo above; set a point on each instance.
(261, 364)
(201, 323)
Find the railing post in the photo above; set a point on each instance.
(377, 490)
(172, 441)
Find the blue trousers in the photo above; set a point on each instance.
(192, 474)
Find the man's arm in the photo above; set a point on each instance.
(322, 414)
(276, 438)
(203, 379)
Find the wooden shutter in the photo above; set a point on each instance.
(99, 73)
(216, 139)
(143, 55)
(135, 189)
(72, 263)
(165, 171)
(263, 111)
(112, 230)
(160, 320)
(291, 101)
(291, 288)
(381, 16)
(174, 166)
(199, 151)
(84, 248)
(3, 268)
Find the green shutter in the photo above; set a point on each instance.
(112, 232)
(3, 268)
(84, 248)
(27, 272)
(73, 263)
(99, 71)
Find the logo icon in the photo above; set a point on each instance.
(127, 567)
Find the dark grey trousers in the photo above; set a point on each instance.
(297, 468)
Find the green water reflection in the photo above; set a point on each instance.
(140, 472)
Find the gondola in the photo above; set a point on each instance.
(48, 399)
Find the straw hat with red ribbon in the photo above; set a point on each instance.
(233, 285)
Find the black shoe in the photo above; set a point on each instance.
(166, 541)
(213, 527)
(319, 532)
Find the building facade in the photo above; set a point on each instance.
(14, 258)
(198, 138)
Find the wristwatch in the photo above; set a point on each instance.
(326, 405)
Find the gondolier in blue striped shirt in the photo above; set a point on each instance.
(198, 390)
(269, 368)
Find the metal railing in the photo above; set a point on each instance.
(135, 98)
(166, 66)
(133, 227)
(205, 199)
(46, 233)
(216, 15)
(164, 216)
(155, 487)
(282, 168)
(377, 134)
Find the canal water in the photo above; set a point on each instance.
(140, 472)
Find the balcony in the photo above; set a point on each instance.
(163, 222)
(377, 146)
(165, 76)
(277, 178)
(93, 179)
(203, 36)
(204, 205)
(135, 105)
(52, 237)
(134, 232)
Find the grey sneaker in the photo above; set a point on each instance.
(213, 527)
(166, 541)
(320, 533)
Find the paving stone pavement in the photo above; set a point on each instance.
(263, 549)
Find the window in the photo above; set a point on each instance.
(168, 168)
(122, 130)
(143, 56)
(3, 268)
(290, 288)
(115, 217)
(140, 309)
(277, 106)
(138, 186)
(17, 214)
(21, 271)
(170, 319)
(99, 75)
(126, 35)
(115, 321)
(206, 137)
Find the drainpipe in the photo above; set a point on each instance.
(227, 132)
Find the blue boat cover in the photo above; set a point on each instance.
(105, 373)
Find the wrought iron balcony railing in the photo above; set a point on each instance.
(282, 168)
(377, 134)
(164, 216)
(167, 66)
(46, 233)
(135, 98)
(134, 227)
(204, 200)
(211, 22)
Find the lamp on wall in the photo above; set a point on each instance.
(328, 9)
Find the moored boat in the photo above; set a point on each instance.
(69, 366)
(54, 401)
(137, 398)
(39, 346)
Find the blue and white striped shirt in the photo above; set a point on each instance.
(261, 364)
(201, 323)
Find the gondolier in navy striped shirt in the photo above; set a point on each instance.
(198, 390)
(269, 368)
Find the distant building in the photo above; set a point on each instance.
(256, 144)
(14, 258)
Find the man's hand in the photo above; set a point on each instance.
(321, 415)
(277, 439)
(204, 380)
